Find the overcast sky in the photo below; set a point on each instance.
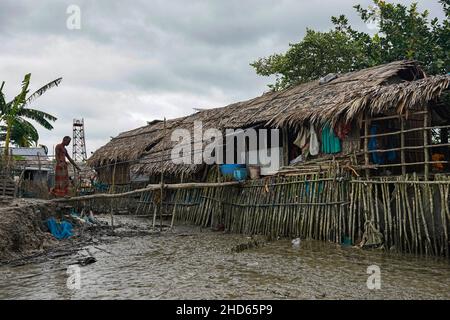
(135, 61)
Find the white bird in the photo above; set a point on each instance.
(296, 242)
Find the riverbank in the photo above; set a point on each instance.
(190, 262)
(24, 237)
(22, 227)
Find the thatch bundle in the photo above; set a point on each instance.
(392, 88)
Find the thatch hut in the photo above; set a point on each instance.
(385, 117)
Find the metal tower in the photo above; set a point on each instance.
(78, 141)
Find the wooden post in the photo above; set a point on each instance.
(219, 205)
(425, 144)
(285, 138)
(175, 205)
(402, 144)
(366, 145)
(162, 176)
(111, 191)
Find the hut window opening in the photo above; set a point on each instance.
(439, 147)
(401, 144)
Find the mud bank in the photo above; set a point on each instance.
(24, 237)
(22, 230)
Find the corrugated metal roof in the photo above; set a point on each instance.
(28, 151)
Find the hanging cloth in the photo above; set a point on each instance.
(330, 142)
(313, 142)
(391, 155)
(342, 130)
(377, 157)
(302, 138)
(302, 141)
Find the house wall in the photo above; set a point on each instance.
(352, 143)
(121, 176)
(414, 139)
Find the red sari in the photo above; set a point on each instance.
(61, 188)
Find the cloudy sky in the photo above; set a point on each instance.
(135, 61)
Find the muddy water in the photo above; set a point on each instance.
(190, 264)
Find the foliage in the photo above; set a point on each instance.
(23, 133)
(13, 114)
(403, 33)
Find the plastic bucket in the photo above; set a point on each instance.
(254, 172)
(228, 169)
(240, 174)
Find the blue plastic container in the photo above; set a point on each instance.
(240, 174)
(228, 169)
(346, 241)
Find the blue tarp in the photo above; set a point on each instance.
(312, 186)
(330, 142)
(60, 230)
(380, 157)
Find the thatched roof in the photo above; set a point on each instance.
(389, 88)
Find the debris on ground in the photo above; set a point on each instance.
(250, 243)
(26, 236)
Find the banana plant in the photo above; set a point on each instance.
(14, 113)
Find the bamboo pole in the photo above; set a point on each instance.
(407, 218)
(351, 216)
(425, 144)
(400, 182)
(287, 182)
(399, 164)
(401, 218)
(392, 117)
(445, 249)
(162, 177)
(151, 187)
(402, 144)
(415, 214)
(428, 246)
(410, 201)
(430, 197)
(176, 201)
(366, 145)
(111, 190)
(421, 147)
(387, 236)
(393, 133)
(445, 189)
(285, 133)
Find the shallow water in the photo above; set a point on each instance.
(190, 264)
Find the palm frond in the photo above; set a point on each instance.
(21, 98)
(42, 90)
(40, 117)
(26, 133)
(23, 133)
(3, 104)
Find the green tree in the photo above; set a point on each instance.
(404, 33)
(14, 114)
(318, 54)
